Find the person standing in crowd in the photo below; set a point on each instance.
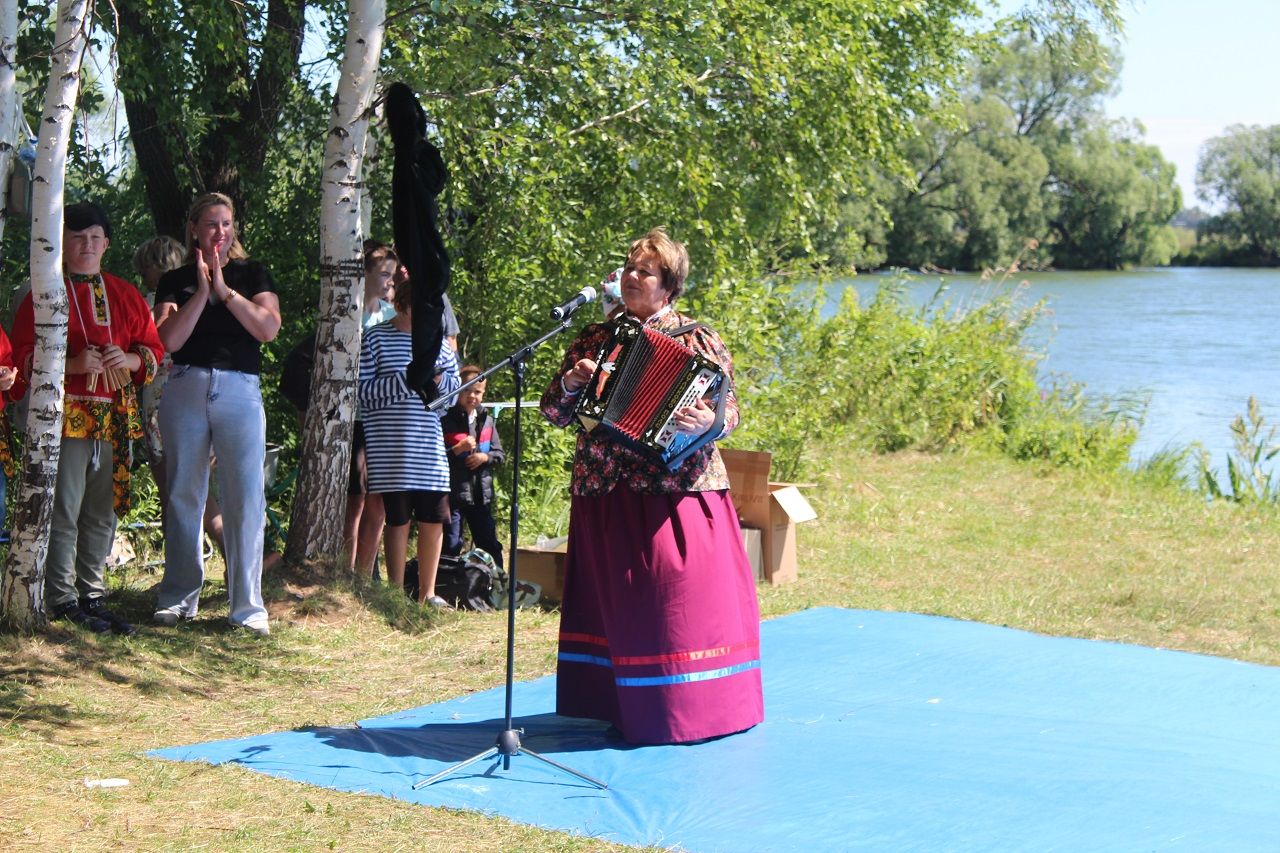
(112, 347)
(214, 313)
(659, 624)
(362, 530)
(474, 448)
(404, 445)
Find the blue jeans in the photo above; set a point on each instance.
(218, 410)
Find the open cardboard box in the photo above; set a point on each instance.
(774, 509)
(544, 565)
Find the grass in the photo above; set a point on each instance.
(972, 536)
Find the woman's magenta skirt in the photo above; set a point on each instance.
(659, 626)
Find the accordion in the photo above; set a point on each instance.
(643, 377)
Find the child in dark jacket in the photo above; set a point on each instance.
(474, 448)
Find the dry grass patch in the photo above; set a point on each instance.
(981, 537)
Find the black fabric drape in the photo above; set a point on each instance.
(418, 176)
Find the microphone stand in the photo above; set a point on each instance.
(508, 742)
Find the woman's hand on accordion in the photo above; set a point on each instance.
(695, 419)
(577, 377)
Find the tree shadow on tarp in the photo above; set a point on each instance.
(457, 741)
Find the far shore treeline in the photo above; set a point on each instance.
(783, 140)
(1032, 169)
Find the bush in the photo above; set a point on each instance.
(886, 377)
(1068, 428)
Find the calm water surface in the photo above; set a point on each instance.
(1198, 341)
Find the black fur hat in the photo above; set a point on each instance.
(85, 214)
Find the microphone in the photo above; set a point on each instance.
(587, 294)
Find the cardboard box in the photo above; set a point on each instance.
(545, 567)
(751, 542)
(773, 508)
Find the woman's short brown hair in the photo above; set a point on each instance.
(161, 253)
(199, 206)
(672, 255)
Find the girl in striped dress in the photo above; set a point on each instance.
(405, 446)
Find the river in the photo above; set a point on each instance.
(1197, 341)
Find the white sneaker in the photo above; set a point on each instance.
(262, 628)
(166, 617)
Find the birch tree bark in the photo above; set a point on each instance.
(9, 126)
(315, 525)
(22, 590)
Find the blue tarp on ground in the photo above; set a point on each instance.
(884, 731)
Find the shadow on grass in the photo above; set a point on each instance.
(64, 677)
(197, 658)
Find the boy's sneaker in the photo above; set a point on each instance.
(97, 608)
(72, 612)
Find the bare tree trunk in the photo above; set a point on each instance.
(241, 92)
(22, 593)
(10, 127)
(315, 526)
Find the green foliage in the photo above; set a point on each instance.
(1114, 199)
(1027, 154)
(1249, 480)
(1069, 428)
(887, 377)
(737, 125)
(977, 195)
(1240, 171)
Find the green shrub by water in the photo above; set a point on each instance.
(886, 376)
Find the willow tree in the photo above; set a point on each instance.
(316, 522)
(204, 86)
(1239, 171)
(22, 598)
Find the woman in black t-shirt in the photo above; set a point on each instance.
(213, 315)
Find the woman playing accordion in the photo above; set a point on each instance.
(659, 626)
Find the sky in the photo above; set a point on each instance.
(1192, 68)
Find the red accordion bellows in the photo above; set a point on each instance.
(663, 362)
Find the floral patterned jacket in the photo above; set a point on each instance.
(601, 463)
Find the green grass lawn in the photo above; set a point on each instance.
(970, 536)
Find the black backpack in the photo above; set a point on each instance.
(472, 582)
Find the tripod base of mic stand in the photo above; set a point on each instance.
(507, 745)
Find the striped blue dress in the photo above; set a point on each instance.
(405, 446)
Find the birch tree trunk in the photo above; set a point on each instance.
(9, 126)
(315, 526)
(22, 590)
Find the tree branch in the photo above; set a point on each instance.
(636, 107)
